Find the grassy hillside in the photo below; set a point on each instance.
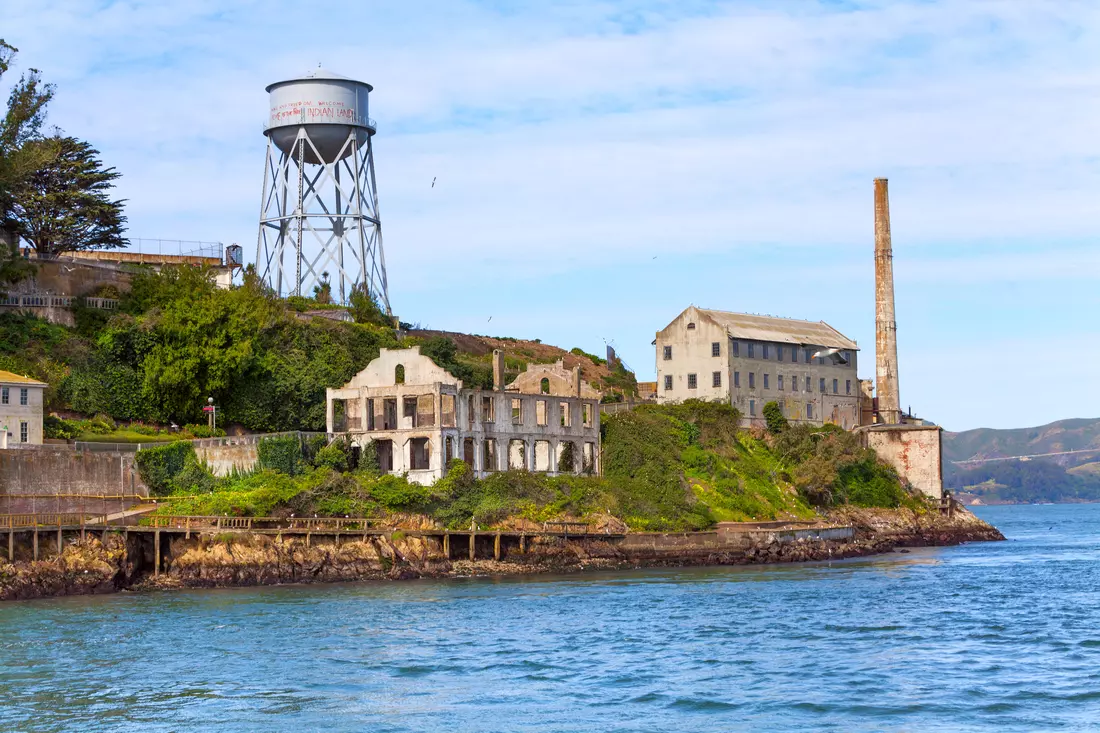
(1055, 479)
(665, 468)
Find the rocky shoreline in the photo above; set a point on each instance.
(216, 561)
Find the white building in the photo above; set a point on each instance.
(20, 409)
(808, 368)
(419, 416)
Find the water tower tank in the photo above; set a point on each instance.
(328, 106)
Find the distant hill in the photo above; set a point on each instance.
(1058, 478)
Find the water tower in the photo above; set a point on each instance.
(319, 212)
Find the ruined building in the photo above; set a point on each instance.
(808, 367)
(419, 417)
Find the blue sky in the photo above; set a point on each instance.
(602, 165)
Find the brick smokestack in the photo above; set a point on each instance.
(498, 370)
(886, 328)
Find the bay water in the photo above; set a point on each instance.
(983, 637)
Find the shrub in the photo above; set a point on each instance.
(280, 453)
(197, 430)
(332, 456)
(58, 428)
(775, 419)
(159, 465)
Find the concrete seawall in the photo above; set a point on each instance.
(65, 478)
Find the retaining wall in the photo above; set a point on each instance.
(66, 478)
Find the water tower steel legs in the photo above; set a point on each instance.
(334, 218)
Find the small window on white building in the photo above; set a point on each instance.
(809, 411)
(22, 431)
(736, 348)
(752, 349)
(668, 382)
(821, 384)
(847, 386)
(752, 380)
(716, 349)
(766, 385)
(779, 353)
(668, 353)
(716, 378)
(764, 350)
(836, 389)
(23, 395)
(4, 395)
(752, 408)
(780, 380)
(737, 379)
(808, 387)
(692, 381)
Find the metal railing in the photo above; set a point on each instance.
(49, 300)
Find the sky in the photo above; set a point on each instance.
(600, 166)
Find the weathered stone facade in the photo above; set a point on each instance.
(419, 417)
(809, 368)
(915, 451)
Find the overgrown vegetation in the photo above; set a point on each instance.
(678, 467)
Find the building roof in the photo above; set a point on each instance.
(10, 378)
(780, 330)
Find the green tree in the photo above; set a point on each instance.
(322, 292)
(64, 206)
(774, 418)
(21, 153)
(365, 309)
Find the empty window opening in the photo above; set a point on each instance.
(567, 457)
(517, 411)
(383, 449)
(448, 410)
(588, 465)
(489, 455)
(668, 353)
(542, 455)
(716, 349)
(371, 420)
(389, 413)
(716, 379)
(471, 411)
(419, 454)
(425, 411)
(586, 414)
(449, 451)
(399, 374)
(563, 411)
(541, 413)
(488, 413)
(668, 382)
(469, 450)
(544, 386)
(517, 455)
(408, 409)
(691, 326)
(692, 381)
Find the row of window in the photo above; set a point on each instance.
(5, 396)
(766, 351)
(716, 381)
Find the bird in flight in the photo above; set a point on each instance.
(433, 181)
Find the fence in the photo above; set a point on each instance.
(48, 300)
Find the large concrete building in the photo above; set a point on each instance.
(809, 368)
(20, 409)
(419, 416)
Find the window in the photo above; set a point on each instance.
(399, 374)
(766, 381)
(668, 353)
(736, 349)
(808, 354)
(447, 410)
(4, 395)
(809, 411)
(780, 385)
(716, 349)
(737, 379)
(716, 379)
(488, 414)
(22, 431)
(668, 382)
(692, 381)
(541, 413)
(752, 380)
(794, 382)
(752, 408)
(847, 386)
(751, 349)
(566, 418)
(794, 354)
(821, 384)
(22, 395)
(544, 386)
(779, 353)
(691, 326)
(517, 411)
(764, 350)
(835, 389)
(808, 387)
(489, 455)
(586, 414)
(408, 407)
